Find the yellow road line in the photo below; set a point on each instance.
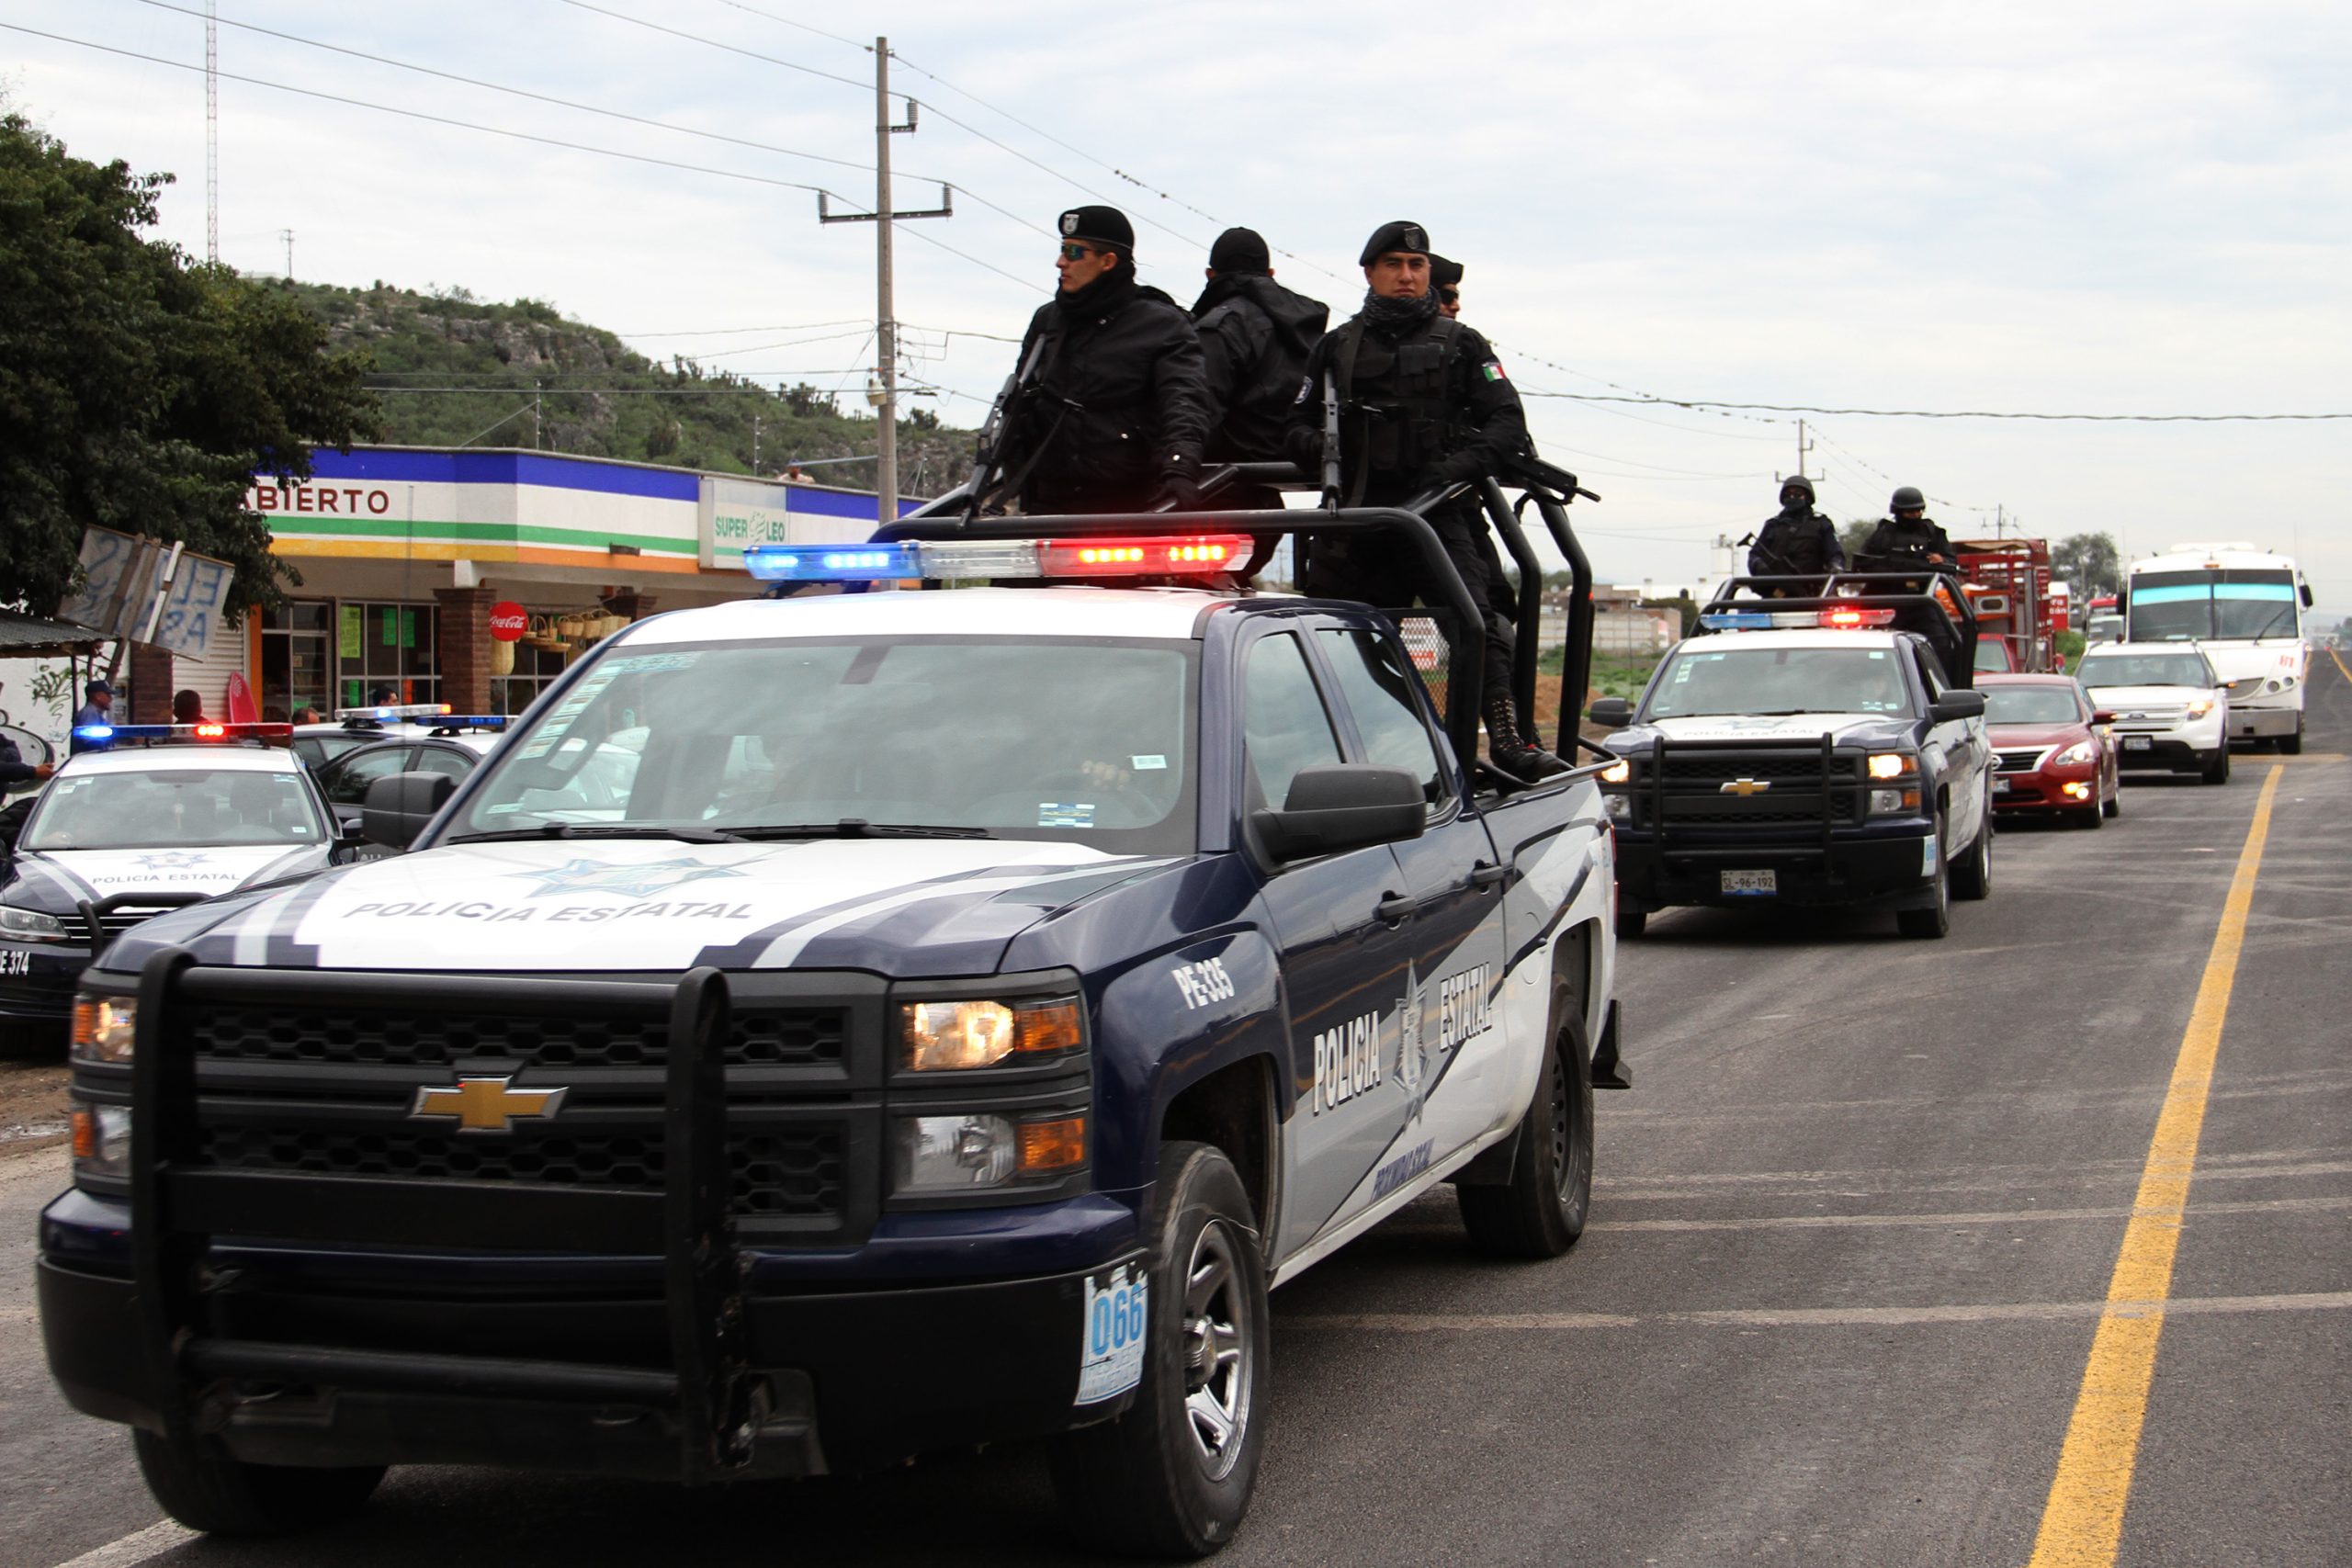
(2083, 1520)
(2340, 664)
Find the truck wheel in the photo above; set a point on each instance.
(1630, 923)
(1541, 1211)
(2216, 771)
(1973, 877)
(1936, 919)
(203, 1488)
(1172, 1476)
(2292, 745)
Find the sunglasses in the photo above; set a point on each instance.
(1076, 251)
(1450, 296)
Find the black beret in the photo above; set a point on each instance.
(1445, 273)
(1106, 226)
(1399, 235)
(1240, 250)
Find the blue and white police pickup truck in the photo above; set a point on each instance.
(976, 1001)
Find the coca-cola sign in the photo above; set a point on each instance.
(509, 621)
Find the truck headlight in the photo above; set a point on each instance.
(1892, 764)
(30, 925)
(977, 1150)
(102, 1029)
(101, 1140)
(1618, 771)
(2199, 707)
(960, 1034)
(2081, 754)
(1888, 802)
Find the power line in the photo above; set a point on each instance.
(803, 27)
(1706, 405)
(730, 48)
(434, 119)
(739, 332)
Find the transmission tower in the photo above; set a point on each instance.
(212, 131)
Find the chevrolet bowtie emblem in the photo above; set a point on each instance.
(1746, 787)
(485, 1105)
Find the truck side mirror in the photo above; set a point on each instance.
(398, 807)
(1611, 713)
(2307, 595)
(2103, 716)
(1954, 705)
(1344, 806)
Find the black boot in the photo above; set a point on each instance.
(1509, 748)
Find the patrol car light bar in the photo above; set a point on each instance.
(98, 736)
(1783, 620)
(944, 559)
(1846, 620)
(387, 712)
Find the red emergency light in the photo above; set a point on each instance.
(1846, 620)
(1139, 558)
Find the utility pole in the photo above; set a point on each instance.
(755, 444)
(886, 327)
(535, 414)
(288, 235)
(212, 132)
(1804, 446)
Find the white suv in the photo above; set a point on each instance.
(2172, 710)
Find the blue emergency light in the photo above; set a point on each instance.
(1737, 620)
(103, 737)
(831, 563)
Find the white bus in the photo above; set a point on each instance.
(2244, 607)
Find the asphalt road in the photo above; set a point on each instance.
(1853, 1231)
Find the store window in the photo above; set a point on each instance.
(296, 668)
(535, 670)
(387, 646)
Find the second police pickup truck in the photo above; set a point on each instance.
(1808, 749)
(980, 999)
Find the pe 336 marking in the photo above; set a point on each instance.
(1203, 983)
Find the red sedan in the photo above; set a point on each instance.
(2052, 748)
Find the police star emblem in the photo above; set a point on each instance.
(642, 880)
(1412, 1053)
(171, 860)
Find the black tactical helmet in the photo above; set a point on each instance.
(1798, 482)
(1907, 497)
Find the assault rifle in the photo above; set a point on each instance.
(1525, 469)
(1004, 416)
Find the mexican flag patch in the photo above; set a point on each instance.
(1494, 370)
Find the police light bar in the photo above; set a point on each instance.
(472, 721)
(944, 560)
(1846, 620)
(387, 712)
(99, 737)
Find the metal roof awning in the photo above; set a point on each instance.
(35, 637)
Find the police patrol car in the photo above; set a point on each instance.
(970, 1005)
(146, 818)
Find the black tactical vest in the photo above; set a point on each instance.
(1395, 410)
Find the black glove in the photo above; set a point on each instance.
(1178, 492)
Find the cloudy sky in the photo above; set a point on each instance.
(2082, 208)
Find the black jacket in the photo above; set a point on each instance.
(1896, 536)
(1794, 543)
(1255, 336)
(1120, 403)
(1402, 429)
(14, 769)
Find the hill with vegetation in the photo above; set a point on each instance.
(452, 370)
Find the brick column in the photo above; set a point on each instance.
(151, 685)
(464, 649)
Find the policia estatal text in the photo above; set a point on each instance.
(1423, 403)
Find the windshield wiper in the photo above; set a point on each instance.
(853, 827)
(598, 831)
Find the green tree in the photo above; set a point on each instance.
(2090, 563)
(1855, 534)
(139, 391)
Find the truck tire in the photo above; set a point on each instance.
(1541, 1211)
(2292, 745)
(1934, 921)
(1172, 1477)
(1973, 877)
(2217, 770)
(202, 1487)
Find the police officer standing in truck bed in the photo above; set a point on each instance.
(1255, 335)
(1423, 403)
(1113, 406)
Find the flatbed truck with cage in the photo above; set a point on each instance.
(980, 1001)
(1818, 744)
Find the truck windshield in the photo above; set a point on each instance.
(2146, 670)
(1703, 681)
(174, 808)
(1060, 739)
(2222, 604)
(2030, 705)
